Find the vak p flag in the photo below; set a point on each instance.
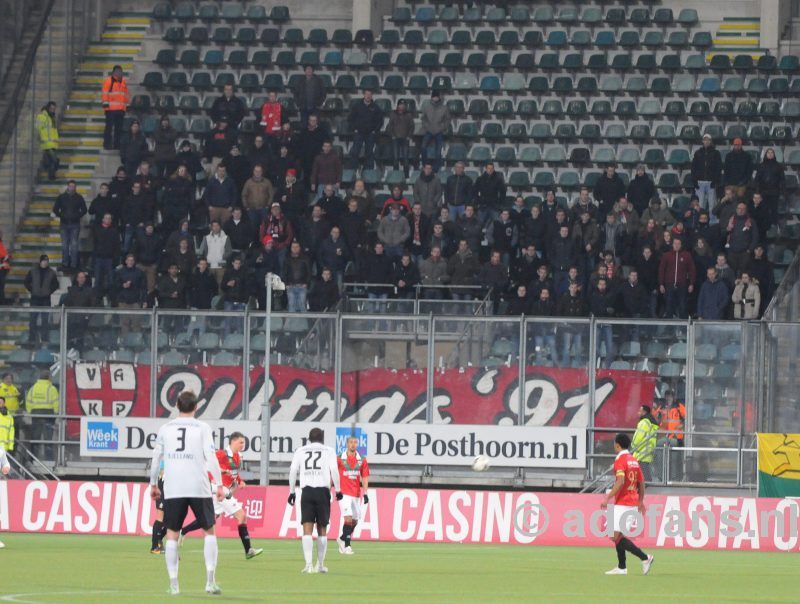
(778, 465)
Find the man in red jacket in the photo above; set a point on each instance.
(676, 276)
(230, 465)
(271, 118)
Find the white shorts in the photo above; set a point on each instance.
(350, 506)
(628, 523)
(228, 507)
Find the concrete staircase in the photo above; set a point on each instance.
(82, 159)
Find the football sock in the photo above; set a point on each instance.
(210, 555)
(629, 546)
(172, 561)
(308, 548)
(347, 532)
(322, 548)
(192, 526)
(245, 537)
(156, 539)
(621, 563)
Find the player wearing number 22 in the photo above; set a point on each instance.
(354, 476)
(628, 496)
(315, 464)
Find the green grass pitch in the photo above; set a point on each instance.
(85, 569)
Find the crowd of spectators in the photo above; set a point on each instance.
(182, 227)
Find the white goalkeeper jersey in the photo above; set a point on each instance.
(316, 465)
(186, 446)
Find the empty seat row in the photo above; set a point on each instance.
(187, 11)
(546, 14)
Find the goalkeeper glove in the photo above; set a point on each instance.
(291, 498)
(339, 495)
(366, 499)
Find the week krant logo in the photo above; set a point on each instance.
(102, 436)
(342, 434)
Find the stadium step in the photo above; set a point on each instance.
(82, 158)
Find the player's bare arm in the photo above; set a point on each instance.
(618, 483)
(641, 497)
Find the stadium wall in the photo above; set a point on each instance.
(430, 516)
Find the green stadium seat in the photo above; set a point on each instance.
(653, 40)
(557, 38)
(501, 61)
(480, 154)
(222, 36)
(640, 17)
(174, 35)
(615, 16)
(165, 103)
(274, 81)
(541, 131)
(528, 108)
(467, 129)
(544, 180)
(646, 62)
(679, 158)
(675, 110)
(213, 59)
(778, 86)
(678, 39)
(758, 134)
(279, 14)
(389, 37)
(250, 82)
(428, 61)
(189, 103)
(473, 15)
(198, 35)
(153, 80)
(509, 39)
(635, 85)
(208, 12)
(165, 57)
(476, 61)
(688, 17)
(413, 38)
(294, 36)
(654, 157)
(581, 38)
(532, 39)
(496, 15)
(140, 103)
(577, 109)
(573, 62)
(690, 134)
(622, 62)
(485, 38)
(333, 59)
(424, 15)
(543, 15)
(270, 36)
(569, 180)
(232, 11)
(256, 13)
(519, 180)
(791, 109)
(317, 37)
(530, 155)
(418, 84)
(663, 17)
(629, 156)
(567, 15)
(449, 14)
(747, 110)
(601, 109)
(700, 109)
(640, 132)
(237, 59)
(590, 132)
(505, 155)
(456, 152)
(224, 78)
(549, 61)
(720, 63)
(710, 85)
(769, 110)
(519, 15)
(562, 85)
(629, 40)
(178, 80)
(465, 82)
(789, 64)
(702, 40)
(591, 16)
(552, 108)
(724, 110)
(490, 84)
(669, 181)
(767, 63)
(649, 108)
(565, 132)
(554, 155)
(597, 62)
(605, 39)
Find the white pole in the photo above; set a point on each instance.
(266, 414)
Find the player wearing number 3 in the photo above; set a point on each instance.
(316, 465)
(354, 475)
(628, 496)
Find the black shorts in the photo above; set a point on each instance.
(175, 511)
(315, 505)
(160, 500)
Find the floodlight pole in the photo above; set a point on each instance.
(266, 415)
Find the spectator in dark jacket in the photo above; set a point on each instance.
(183, 256)
(129, 292)
(743, 236)
(524, 268)
(326, 170)
(190, 158)
(148, 246)
(119, 187)
(714, 298)
(202, 286)
(235, 291)
(707, 172)
(519, 304)
(309, 94)
(240, 231)
(603, 304)
(324, 293)
(641, 190)
(228, 108)
(366, 121)
(164, 152)
(647, 268)
(562, 254)
(428, 191)
(634, 297)
(725, 208)
(354, 228)
(534, 229)
(263, 260)
(70, 207)
(489, 194)
(238, 167)
(676, 277)
(296, 276)
(761, 270)
(220, 195)
(458, 191)
(333, 255)
(177, 199)
(738, 169)
(607, 191)
(406, 277)
(172, 295)
(400, 129)
(462, 269)
(103, 204)
(501, 235)
(133, 147)
(106, 254)
(309, 146)
(770, 182)
(315, 229)
(41, 281)
(571, 305)
(219, 141)
(761, 214)
(332, 205)
(420, 230)
(493, 276)
(377, 269)
(80, 294)
(471, 229)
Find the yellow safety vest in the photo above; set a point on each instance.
(48, 133)
(42, 398)
(11, 393)
(7, 432)
(644, 440)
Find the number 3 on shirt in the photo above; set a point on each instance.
(182, 439)
(317, 455)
